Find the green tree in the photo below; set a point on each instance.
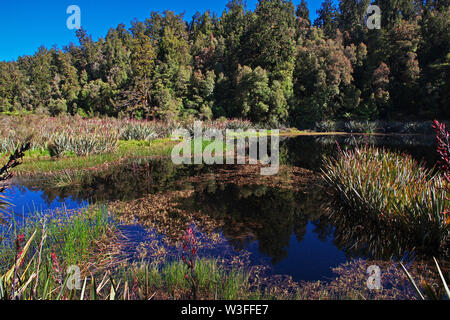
(327, 18)
(271, 41)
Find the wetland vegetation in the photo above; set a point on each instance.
(89, 191)
(301, 234)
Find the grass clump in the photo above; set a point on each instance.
(168, 280)
(392, 188)
(138, 131)
(37, 269)
(70, 235)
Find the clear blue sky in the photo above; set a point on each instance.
(27, 24)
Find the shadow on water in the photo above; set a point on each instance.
(288, 228)
(308, 151)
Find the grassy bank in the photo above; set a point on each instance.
(66, 134)
(387, 127)
(36, 253)
(35, 260)
(44, 164)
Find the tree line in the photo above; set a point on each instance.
(271, 65)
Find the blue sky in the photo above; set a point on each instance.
(27, 24)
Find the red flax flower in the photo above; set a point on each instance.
(19, 240)
(55, 262)
(57, 269)
(189, 256)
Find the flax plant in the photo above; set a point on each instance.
(382, 185)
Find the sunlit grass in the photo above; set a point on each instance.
(69, 234)
(390, 187)
(168, 280)
(127, 149)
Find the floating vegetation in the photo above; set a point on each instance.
(351, 282)
(162, 213)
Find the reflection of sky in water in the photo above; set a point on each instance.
(26, 202)
(309, 259)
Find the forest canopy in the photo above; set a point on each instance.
(271, 65)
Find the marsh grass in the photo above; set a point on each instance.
(94, 135)
(363, 126)
(167, 281)
(127, 150)
(382, 185)
(55, 242)
(70, 234)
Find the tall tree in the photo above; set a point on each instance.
(303, 11)
(327, 18)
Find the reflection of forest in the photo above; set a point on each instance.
(123, 182)
(308, 151)
(246, 207)
(245, 212)
(254, 212)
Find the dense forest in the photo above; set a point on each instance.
(271, 65)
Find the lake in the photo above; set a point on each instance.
(281, 223)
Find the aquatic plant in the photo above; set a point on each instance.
(355, 126)
(382, 185)
(443, 150)
(65, 239)
(326, 126)
(146, 280)
(94, 135)
(37, 270)
(360, 126)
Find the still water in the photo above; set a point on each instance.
(288, 230)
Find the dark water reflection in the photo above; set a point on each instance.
(290, 229)
(308, 151)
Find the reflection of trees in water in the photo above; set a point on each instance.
(268, 215)
(308, 151)
(252, 212)
(123, 182)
